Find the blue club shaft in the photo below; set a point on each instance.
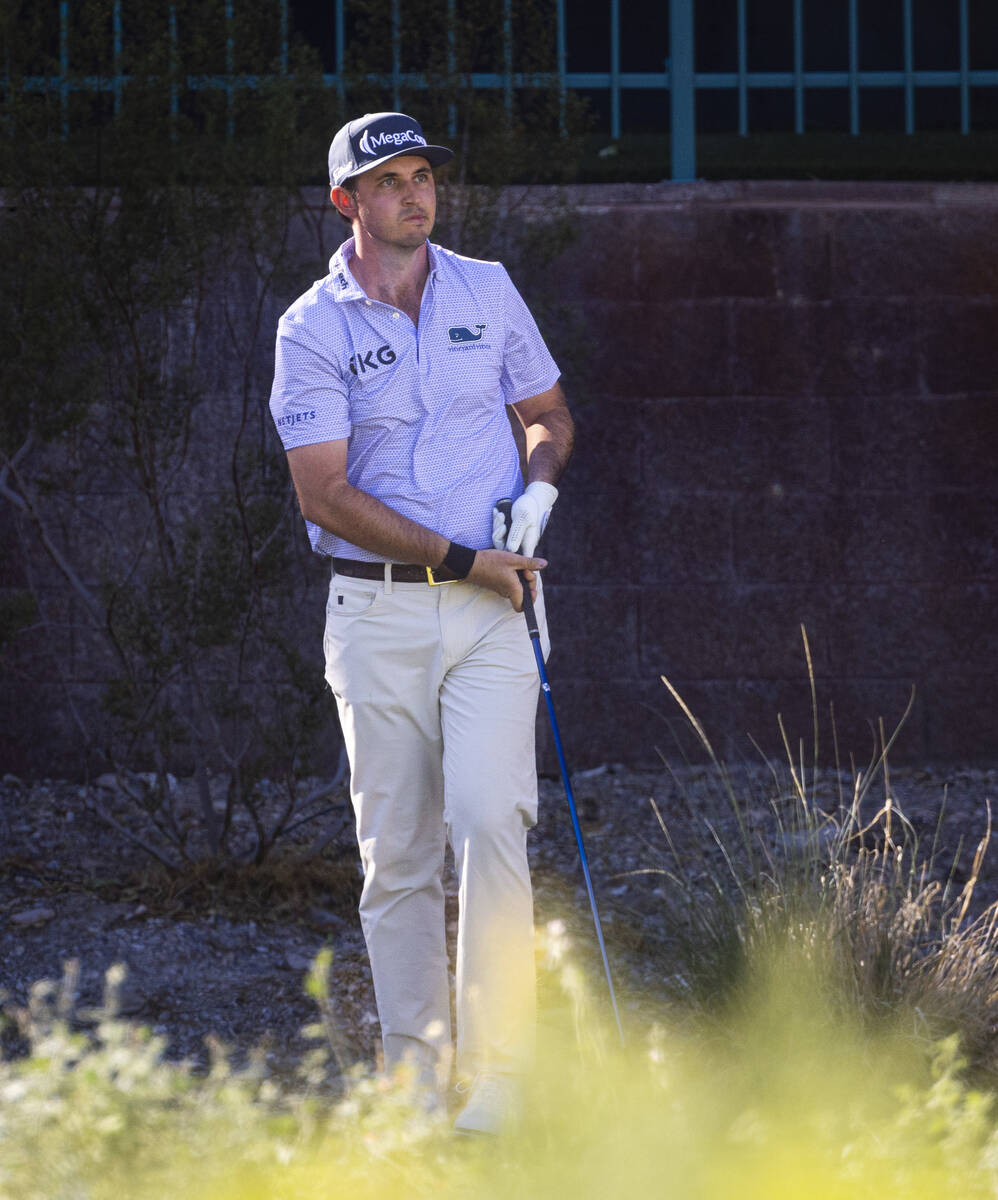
(546, 689)
(504, 507)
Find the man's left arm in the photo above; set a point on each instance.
(549, 432)
(550, 435)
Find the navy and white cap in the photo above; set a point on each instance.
(373, 139)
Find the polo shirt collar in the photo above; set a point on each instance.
(345, 287)
(433, 259)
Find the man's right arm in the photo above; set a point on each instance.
(328, 499)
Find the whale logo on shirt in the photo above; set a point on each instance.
(461, 333)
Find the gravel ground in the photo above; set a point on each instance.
(226, 954)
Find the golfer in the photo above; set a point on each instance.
(392, 380)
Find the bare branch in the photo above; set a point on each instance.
(27, 505)
(11, 464)
(92, 806)
(321, 843)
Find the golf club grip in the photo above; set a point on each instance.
(505, 506)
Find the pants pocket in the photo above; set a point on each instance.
(349, 603)
(346, 600)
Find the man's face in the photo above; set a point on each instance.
(397, 202)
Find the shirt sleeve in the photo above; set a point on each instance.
(309, 400)
(528, 368)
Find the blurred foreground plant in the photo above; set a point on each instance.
(796, 1099)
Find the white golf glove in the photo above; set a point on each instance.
(529, 518)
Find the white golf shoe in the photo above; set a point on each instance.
(495, 1104)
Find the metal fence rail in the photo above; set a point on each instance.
(679, 77)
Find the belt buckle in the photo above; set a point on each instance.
(438, 582)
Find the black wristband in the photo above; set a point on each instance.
(459, 559)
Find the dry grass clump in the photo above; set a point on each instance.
(879, 916)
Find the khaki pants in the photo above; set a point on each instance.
(437, 694)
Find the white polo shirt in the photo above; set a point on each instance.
(424, 408)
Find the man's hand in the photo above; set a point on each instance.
(529, 518)
(497, 570)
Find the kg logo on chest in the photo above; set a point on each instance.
(371, 360)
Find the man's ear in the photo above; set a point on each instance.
(343, 202)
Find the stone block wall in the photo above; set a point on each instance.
(787, 401)
(788, 415)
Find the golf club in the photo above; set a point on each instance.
(506, 508)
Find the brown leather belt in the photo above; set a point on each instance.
(401, 572)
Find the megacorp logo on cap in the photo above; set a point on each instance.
(370, 144)
(376, 137)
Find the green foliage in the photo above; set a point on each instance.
(533, 135)
(792, 1098)
(171, 117)
(163, 121)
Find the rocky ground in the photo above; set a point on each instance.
(226, 952)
